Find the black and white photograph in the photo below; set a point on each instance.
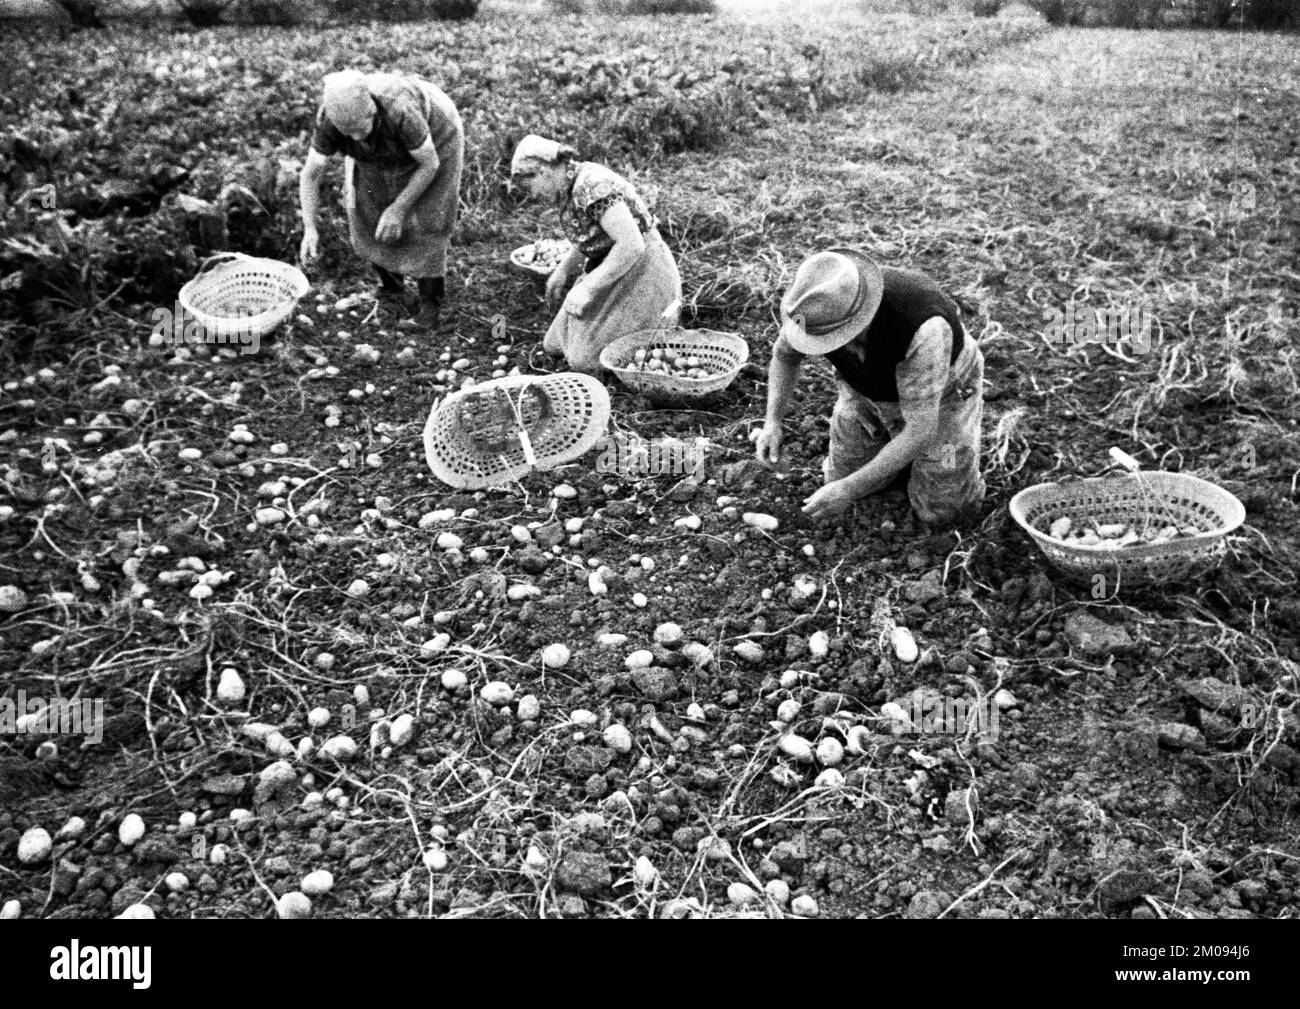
(651, 459)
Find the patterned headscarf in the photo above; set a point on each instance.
(347, 100)
(534, 150)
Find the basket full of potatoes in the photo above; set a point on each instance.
(540, 259)
(676, 363)
(1139, 528)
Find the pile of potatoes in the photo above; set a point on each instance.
(545, 253)
(667, 361)
(1115, 535)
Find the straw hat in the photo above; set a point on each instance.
(497, 432)
(833, 298)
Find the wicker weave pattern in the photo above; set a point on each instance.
(243, 294)
(472, 438)
(723, 354)
(1162, 498)
(532, 269)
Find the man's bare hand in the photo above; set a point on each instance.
(767, 442)
(830, 501)
(310, 248)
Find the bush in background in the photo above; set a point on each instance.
(204, 13)
(1060, 12)
(941, 8)
(210, 13)
(932, 8)
(401, 10)
(84, 13)
(271, 12)
(146, 11)
(1158, 13)
(634, 8)
(670, 7)
(1263, 13)
(1132, 13)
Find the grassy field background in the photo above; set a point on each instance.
(1269, 14)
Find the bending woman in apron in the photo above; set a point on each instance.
(626, 277)
(404, 146)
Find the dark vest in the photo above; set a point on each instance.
(867, 362)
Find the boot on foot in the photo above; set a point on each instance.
(390, 283)
(432, 291)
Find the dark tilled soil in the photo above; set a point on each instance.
(1109, 789)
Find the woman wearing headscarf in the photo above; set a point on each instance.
(404, 146)
(625, 278)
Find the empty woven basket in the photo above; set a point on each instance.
(1178, 499)
(498, 432)
(236, 294)
(721, 354)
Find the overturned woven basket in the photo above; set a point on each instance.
(498, 432)
(1178, 499)
(721, 354)
(236, 294)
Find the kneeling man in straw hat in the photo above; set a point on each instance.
(910, 385)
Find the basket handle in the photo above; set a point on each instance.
(525, 442)
(211, 260)
(1125, 460)
(669, 317)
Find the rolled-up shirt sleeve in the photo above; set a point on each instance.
(409, 124)
(923, 374)
(326, 138)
